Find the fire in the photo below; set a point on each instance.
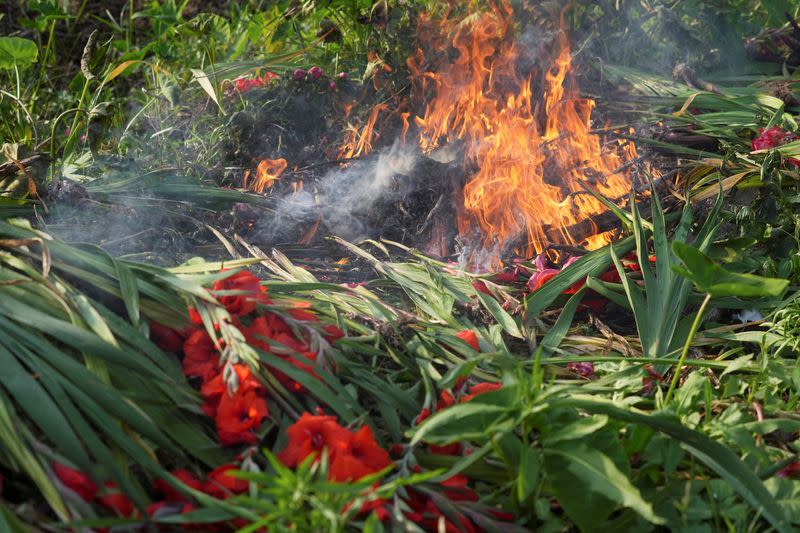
(267, 172)
(529, 136)
(359, 142)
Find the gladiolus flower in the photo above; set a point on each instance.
(200, 356)
(241, 304)
(166, 338)
(170, 493)
(791, 471)
(772, 138)
(221, 485)
(214, 389)
(582, 369)
(351, 455)
(481, 388)
(76, 481)
(238, 416)
(470, 337)
(541, 277)
(116, 501)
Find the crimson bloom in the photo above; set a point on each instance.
(481, 388)
(76, 481)
(116, 501)
(166, 338)
(221, 485)
(470, 337)
(238, 416)
(214, 389)
(170, 493)
(773, 137)
(200, 356)
(351, 455)
(241, 304)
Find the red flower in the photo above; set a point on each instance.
(541, 277)
(216, 388)
(116, 501)
(470, 338)
(170, 493)
(241, 304)
(362, 458)
(791, 471)
(221, 485)
(238, 416)
(200, 356)
(457, 489)
(480, 286)
(481, 388)
(332, 333)
(76, 481)
(166, 338)
(310, 435)
(582, 369)
(271, 326)
(772, 138)
(351, 455)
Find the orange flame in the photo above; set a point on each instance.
(267, 172)
(532, 159)
(359, 142)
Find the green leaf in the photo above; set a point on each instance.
(599, 474)
(715, 280)
(483, 416)
(528, 478)
(560, 329)
(16, 51)
(714, 455)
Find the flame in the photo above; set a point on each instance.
(359, 142)
(267, 172)
(533, 151)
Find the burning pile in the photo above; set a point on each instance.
(533, 148)
(517, 128)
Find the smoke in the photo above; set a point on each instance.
(344, 197)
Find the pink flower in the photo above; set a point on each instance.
(772, 138)
(315, 72)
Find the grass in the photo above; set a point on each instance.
(496, 408)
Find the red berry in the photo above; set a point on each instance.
(299, 75)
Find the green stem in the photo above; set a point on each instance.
(695, 326)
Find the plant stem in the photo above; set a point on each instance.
(695, 326)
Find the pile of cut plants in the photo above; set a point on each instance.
(235, 297)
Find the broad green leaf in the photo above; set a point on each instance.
(553, 338)
(715, 280)
(16, 51)
(714, 455)
(599, 474)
